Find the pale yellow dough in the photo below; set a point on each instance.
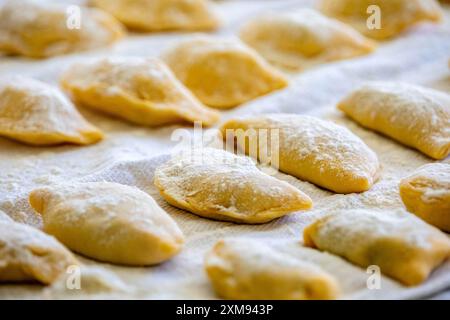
(36, 113)
(400, 244)
(27, 254)
(395, 15)
(222, 73)
(140, 90)
(309, 148)
(216, 184)
(109, 222)
(247, 269)
(426, 193)
(160, 15)
(39, 29)
(415, 116)
(303, 38)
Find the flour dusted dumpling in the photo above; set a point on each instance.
(311, 149)
(222, 73)
(158, 15)
(41, 29)
(108, 222)
(36, 113)
(403, 246)
(303, 38)
(216, 184)
(394, 16)
(415, 116)
(426, 193)
(247, 269)
(27, 254)
(140, 90)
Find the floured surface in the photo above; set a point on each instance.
(129, 155)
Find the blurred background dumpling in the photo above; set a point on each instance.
(158, 15)
(303, 38)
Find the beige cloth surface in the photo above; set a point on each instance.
(129, 155)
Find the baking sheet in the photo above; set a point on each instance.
(129, 155)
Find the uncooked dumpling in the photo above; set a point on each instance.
(415, 116)
(27, 254)
(403, 246)
(36, 113)
(311, 149)
(108, 222)
(140, 90)
(395, 16)
(39, 29)
(303, 38)
(216, 184)
(222, 73)
(426, 193)
(158, 15)
(247, 269)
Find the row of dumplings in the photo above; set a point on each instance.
(145, 91)
(120, 224)
(403, 246)
(292, 40)
(311, 149)
(220, 73)
(331, 156)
